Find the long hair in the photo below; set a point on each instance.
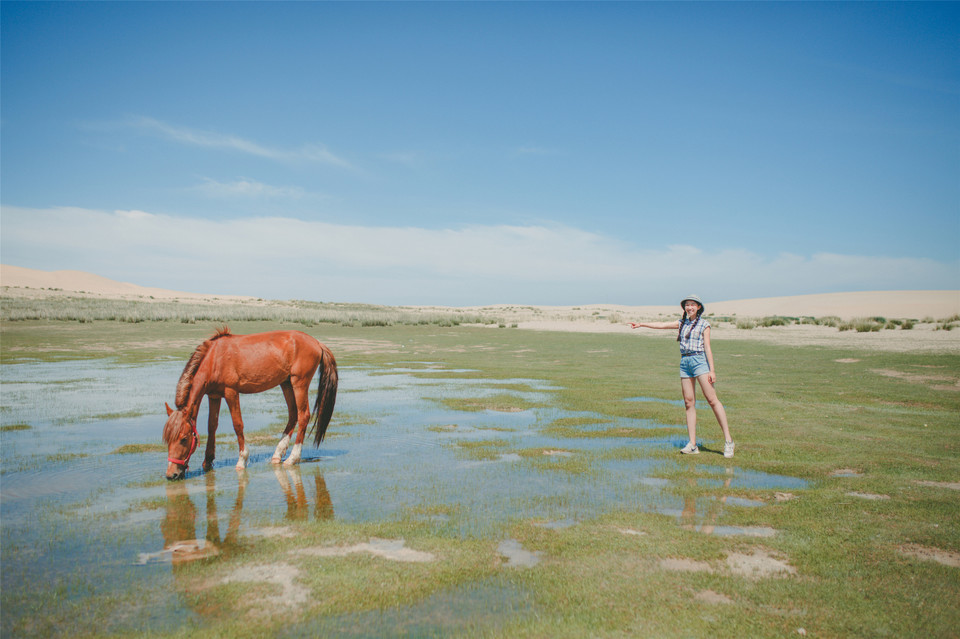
(326, 394)
(186, 377)
(693, 324)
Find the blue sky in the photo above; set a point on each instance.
(481, 153)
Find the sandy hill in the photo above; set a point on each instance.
(890, 304)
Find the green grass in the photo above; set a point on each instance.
(14, 427)
(795, 411)
(90, 309)
(136, 449)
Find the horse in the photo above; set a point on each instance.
(226, 365)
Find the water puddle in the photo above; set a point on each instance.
(517, 556)
(476, 609)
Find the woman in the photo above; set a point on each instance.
(696, 363)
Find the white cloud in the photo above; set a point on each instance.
(282, 258)
(247, 188)
(194, 137)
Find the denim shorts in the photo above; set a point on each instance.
(694, 365)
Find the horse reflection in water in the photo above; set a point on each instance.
(298, 508)
(179, 526)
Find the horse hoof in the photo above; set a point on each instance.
(275, 460)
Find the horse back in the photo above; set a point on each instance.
(260, 361)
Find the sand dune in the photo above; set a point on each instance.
(89, 284)
(890, 304)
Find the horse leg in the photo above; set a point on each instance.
(291, 420)
(233, 402)
(301, 392)
(212, 422)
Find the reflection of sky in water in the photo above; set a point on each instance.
(403, 447)
(391, 451)
(396, 450)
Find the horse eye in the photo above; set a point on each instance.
(183, 440)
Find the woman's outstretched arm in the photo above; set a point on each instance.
(675, 324)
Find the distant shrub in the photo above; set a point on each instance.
(862, 325)
(746, 324)
(86, 310)
(774, 320)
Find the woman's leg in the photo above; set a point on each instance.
(710, 394)
(690, 406)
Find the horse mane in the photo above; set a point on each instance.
(186, 377)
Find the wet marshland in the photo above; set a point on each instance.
(90, 525)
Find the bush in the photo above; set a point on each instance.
(862, 325)
(774, 321)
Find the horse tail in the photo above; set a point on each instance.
(326, 394)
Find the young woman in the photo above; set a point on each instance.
(696, 363)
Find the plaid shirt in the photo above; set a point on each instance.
(691, 336)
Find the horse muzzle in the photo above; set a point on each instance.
(175, 471)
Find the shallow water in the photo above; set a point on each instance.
(82, 523)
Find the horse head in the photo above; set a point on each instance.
(180, 434)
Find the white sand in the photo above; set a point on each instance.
(90, 284)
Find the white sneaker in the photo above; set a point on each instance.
(728, 449)
(690, 449)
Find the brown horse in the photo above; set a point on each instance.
(225, 366)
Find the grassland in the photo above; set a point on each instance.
(869, 548)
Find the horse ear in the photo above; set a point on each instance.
(169, 410)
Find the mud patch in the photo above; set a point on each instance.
(392, 549)
(927, 553)
(758, 565)
(847, 360)
(783, 496)
(281, 575)
(631, 531)
(870, 496)
(952, 485)
(935, 382)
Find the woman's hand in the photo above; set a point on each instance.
(712, 378)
